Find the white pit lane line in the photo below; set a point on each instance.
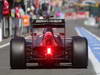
(4, 45)
(94, 61)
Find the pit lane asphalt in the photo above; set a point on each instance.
(5, 68)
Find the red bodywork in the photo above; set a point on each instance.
(48, 46)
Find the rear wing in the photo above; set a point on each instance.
(44, 23)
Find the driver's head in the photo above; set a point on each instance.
(48, 38)
(48, 35)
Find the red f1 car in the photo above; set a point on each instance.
(49, 49)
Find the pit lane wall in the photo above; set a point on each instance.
(76, 15)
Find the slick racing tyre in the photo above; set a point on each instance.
(17, 53)
(80, 52)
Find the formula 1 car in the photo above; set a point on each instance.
(49, 49)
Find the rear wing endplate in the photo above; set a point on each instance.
(44, 23)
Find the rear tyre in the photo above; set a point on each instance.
(80, 52)
(17, 53)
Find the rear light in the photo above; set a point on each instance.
(49, 51)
